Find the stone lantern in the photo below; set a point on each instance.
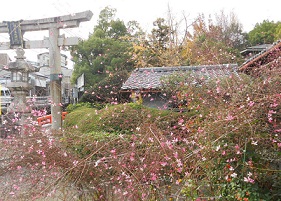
(19, 84)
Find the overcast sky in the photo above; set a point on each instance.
(249, 12)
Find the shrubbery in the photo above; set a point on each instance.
(122, 118)
(226, 147)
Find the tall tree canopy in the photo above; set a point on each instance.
(106, 52)
(265, 33)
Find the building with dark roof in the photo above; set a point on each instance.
(146, 82)
(268, 58)
(253, 50)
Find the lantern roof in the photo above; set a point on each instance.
(20, 64)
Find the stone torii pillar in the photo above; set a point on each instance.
(53, 43)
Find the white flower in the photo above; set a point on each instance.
(249, 174)
(97, 162)
(218, 148)
(233, 175)
(254, 143)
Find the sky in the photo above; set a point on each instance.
(248, 12)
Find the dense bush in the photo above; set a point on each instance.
(226, 147)
(122, 118)
(72, 107)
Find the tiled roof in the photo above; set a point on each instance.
(266, 56)
(256, 49)
(150, 78)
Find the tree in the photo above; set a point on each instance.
(160, 48)
(231, 30)
(107, 90)
(156, 44)
(105, 52)
(278, 32)
(264, 33)
(213, 42)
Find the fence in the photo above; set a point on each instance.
(48, 119)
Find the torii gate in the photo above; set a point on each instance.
(53, 24)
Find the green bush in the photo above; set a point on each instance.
(72, 107)
(84, 120)
(227, 145)
(122, 118)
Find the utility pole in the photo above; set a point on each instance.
(53, 43)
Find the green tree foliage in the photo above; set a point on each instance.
(265, 33)
(278, 32)
(158, 42)
(159, 48)
(107, 90)
(105, 52)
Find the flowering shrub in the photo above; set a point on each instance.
(226, 146)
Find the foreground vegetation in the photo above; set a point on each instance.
(226, 147)
(223, 142)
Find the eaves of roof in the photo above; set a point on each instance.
(149, 79)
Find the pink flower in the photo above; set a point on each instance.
(75, 162)
(229, 117)
(274, 104)
(218, 90)
(249, 180)
(132, 156)
(251, 103)
(237, 149)
(153, 177)
(180, 121)
(200, 130)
